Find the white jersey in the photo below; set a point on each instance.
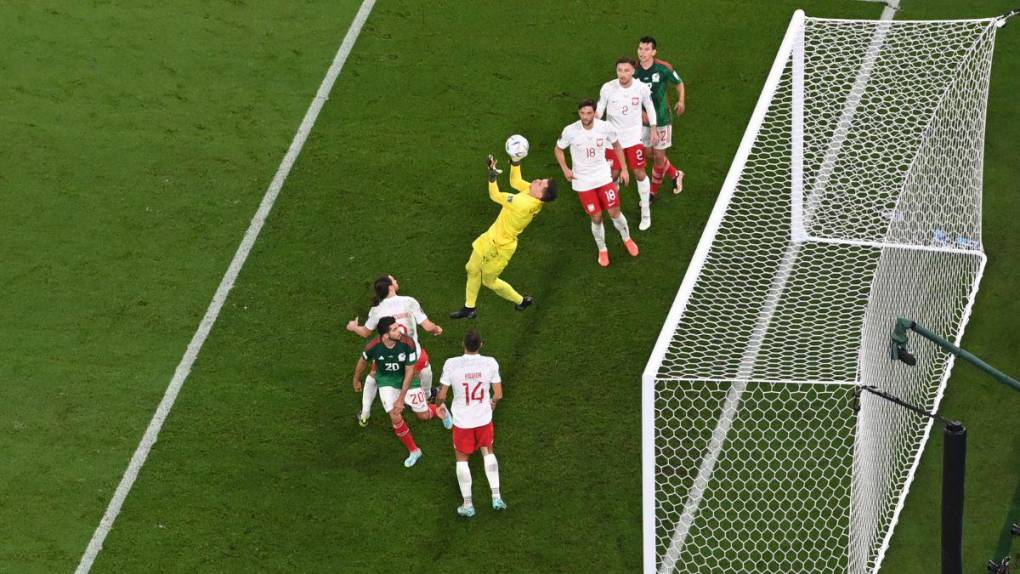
(623, 109)
(470, 376)
(588, 153)
(406, 310)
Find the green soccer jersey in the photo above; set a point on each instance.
(658, 77)
(390, 363)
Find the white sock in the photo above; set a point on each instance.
(368, 392)
(644, 189)
(425, 376)
(491, 473)
(464, 480)
(620, 223)
(599, 232)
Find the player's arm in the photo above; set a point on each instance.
(649, 109)
(516, 181)
(618, 149)
(674, 78)
(360, 330)
(600, 107)
(497, 394)
(422, 319)
(359, 370)
(431, 327)
(494, 193)
(561, 159)
(444, 385)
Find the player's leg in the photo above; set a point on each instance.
(658, 169)
(388, 396)
(368, 392)
(668, 169)
(463, 446)
(650, 151)
(493, 267)
(621, 225)
(425, 374)
(424, 410)
(637, 160)
(484, 437)
(474, 285)
(592, 206)
(614, 163)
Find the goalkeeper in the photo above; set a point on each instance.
(492, 251)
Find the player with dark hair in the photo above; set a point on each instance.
(409, 315)
(658, 75)
(622, 100)
(492, 250)
(393, 353)
(590, 140)
(472, 377)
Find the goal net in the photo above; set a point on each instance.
(854, 198)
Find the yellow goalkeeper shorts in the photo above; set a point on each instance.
(489, 259)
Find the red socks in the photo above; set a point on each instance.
(404, 434)
(432, 411)
(667, 170)
(671, 172)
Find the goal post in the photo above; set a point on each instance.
(854, 197)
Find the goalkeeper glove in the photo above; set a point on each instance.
(493, 171)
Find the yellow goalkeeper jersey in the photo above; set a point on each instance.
(518, 211)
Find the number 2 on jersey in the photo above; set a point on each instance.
(478, 393)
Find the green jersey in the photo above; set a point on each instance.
(390, 363)
(658, 77)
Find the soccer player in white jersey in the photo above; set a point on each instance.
(622, 100)
(408, 313)
(476, 390)
(589, 139)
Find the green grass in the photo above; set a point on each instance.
(138, 140)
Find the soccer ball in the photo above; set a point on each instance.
(516, 146)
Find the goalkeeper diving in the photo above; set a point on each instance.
(492, 251)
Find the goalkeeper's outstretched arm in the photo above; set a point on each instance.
(494, 193)
(516, 181)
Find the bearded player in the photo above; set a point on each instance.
(492, 250)
(622, 100)
(658, 75)
(409, 315)
(590, 140)
(393, 354)
(473, 377)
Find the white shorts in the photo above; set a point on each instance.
(415, 398)
(665, 136)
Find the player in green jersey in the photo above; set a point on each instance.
(394, 355)
(659, 74)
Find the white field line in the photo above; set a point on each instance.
(220, 297)
(731, 403)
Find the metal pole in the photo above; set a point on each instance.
(954, 461)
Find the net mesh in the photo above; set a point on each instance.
(760, 464)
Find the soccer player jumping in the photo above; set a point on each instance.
(394, 356)
(621, 100)
(492, 250)
(589, 140)
(472, 376)
(657, 74)
(409, 314)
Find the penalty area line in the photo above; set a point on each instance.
(219, 298)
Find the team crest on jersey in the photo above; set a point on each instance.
(635, 101)
(401, 357)
(599, 142)
(655, 77)
(510, 199)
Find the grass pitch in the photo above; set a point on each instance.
(139, 139)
